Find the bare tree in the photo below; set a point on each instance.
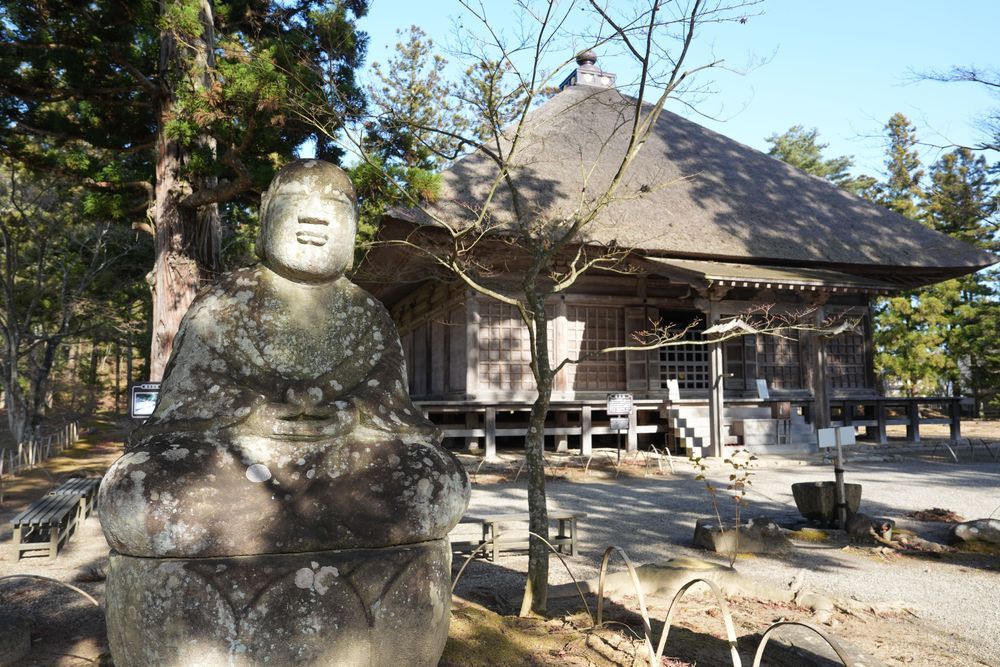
(505, 247)
(989, 79)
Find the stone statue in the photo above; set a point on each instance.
(286, 502)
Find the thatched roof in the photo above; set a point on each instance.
(696, 194)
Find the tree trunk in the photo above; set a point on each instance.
(17, 412)
(536, 591)
(187, 239)
(41, 382)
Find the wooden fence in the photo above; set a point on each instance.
(28, 454)
(875, 414)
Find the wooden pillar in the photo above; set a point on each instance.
(955, 412)
(561, 439)
(491, 432)
(817, 374)
(439, 360)
(715, 383)
(883, 437)
(632, 441)
(586, 437)
(913, 420)
(471, 422)
(560, 350)
(471, 344)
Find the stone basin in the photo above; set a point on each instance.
(817, 500)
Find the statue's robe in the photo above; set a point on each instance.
(284, 425)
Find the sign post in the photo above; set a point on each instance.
(619, 408)
(838, 437)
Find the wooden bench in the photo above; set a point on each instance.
(510, 531)
(46, 524)
(84, 488)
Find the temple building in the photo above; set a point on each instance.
(712, 228)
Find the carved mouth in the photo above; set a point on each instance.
(316, 237)
(309, 237)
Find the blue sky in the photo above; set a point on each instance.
(843, 67)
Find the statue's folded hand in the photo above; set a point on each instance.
(297, 420)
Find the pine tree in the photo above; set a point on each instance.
(167, 110)
(908, 338)
(799, 147)
(937, 338)
(414, 130)
(901, 191)
(962, 201)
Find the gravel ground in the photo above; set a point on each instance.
(653, 518)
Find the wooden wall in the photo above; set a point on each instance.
(463, 346)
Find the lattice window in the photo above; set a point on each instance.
(847, 361)
(504, 348)
(688, 363)
(593, 328)
(779, 362)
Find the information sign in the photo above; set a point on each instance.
(828, 436)
(144, 397)
(619, 404)
(619, 423)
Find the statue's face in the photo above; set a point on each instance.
(308, 230)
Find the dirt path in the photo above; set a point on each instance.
(66, 629)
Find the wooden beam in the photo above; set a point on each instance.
(586, 437)
(561, 438)
(560, 346)
(716, 386)
(471, 422)
(491, 433)
(632, 441)
(439, 359)
(471, 344)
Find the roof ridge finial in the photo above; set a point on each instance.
(587, 73)
(588, 57)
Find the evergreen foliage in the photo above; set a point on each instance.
(799, 147)
(167, 110)
(901, 191)
(936, 340)
(414, 130)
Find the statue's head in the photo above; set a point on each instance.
(308, 219)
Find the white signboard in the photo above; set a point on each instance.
(673, 390)
(762, 390)
(828, 436)
(619, 423)
(619, 404)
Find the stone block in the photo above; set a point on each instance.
(358, 607)
(817, 500)
(758, 536)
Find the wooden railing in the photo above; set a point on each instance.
(583, 418)
(31, 452)
(876, 414)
